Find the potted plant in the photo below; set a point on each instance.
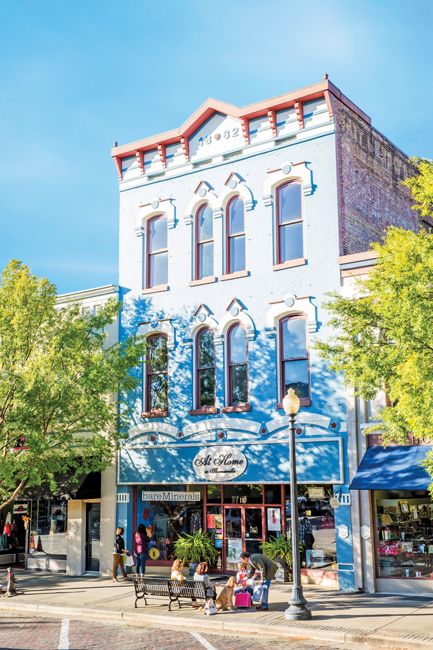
(279, 549)
(194, 548)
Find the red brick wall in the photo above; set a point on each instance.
(370, 170)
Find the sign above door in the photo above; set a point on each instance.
(219, 464)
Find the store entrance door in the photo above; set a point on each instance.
(243, 527)
(93, 536)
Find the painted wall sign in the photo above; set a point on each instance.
(220, 463)
(168, 495)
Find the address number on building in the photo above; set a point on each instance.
(217, 464)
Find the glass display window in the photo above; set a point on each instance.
(316, 526)
(166, 513)
(48, 531)
(404, 534)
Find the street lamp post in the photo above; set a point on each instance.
(297, 610)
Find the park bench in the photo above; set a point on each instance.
(175, 591)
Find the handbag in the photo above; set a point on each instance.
(210, 608)
(128, 560)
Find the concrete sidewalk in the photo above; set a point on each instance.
(392, 622)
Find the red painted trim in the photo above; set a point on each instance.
(246, 406)
(199, 407)
(204, 410)
(140, 159)
(245, 126)
(162, 154)
(279, 225)
(149, 252)
(244, 114)
(154, 413)
(229, 236)
(329, 104)
(282, 360)
(185, 147)
(272, 122)
(118, 163)
(299, 108)
(199, 242)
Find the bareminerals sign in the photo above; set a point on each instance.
(217, 464)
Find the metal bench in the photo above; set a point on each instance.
(175, 591)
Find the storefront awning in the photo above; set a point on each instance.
(393, 468)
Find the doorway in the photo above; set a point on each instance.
(244, 531)
(93, 537)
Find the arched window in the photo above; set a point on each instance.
(156, 394)
(204, 243)
(294, 357)
(235, 235)
(157, 252)
(237, 365)
(205, 369)
(290, 239)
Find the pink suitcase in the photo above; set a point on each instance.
(243, 599)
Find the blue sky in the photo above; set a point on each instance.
(76, 76)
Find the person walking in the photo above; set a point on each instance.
(118, 552)
(267, 569)
(140, 539)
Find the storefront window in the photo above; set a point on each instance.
(167, 513)
(272, 493)
(48, 526)
(316, 525)
(404, 534)
(213, 493)
(243, 494)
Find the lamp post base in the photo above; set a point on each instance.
(297, 613)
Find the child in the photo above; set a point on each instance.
(242, 581)
(176, 571)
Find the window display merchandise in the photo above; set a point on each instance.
(166, 517)
(404, 534)
(316, 526)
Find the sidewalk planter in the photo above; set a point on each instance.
(195, 548)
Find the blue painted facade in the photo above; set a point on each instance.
(161, 450)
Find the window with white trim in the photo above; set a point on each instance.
(294, 368)
(289, 222)
(204, 243)
(205, 369)
(235, 235)
(237, 366)
(157, 252)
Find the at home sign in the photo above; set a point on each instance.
(220, 463)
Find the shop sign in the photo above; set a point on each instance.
(218, 464)
(168, 495)
(316, 492)
(21, 508)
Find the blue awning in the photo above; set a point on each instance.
(393, 468)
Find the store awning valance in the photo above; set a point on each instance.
(393, 468)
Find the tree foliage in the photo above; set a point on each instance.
(421, 186)
(59, 382)
(385, 332)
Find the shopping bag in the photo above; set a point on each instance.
(258, 593)
(128, 560)
(210, 607)
(243, 599)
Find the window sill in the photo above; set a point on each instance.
(208, 280)
(240, 408)
(305, 401)
(300, 261)
(205, 410)
(160, 413)
(157, 289)
(234, 276)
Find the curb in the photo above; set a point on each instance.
(292, 631)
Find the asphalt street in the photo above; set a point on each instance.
(27, 633)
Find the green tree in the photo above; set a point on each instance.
(59, 385)
(385, 332)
